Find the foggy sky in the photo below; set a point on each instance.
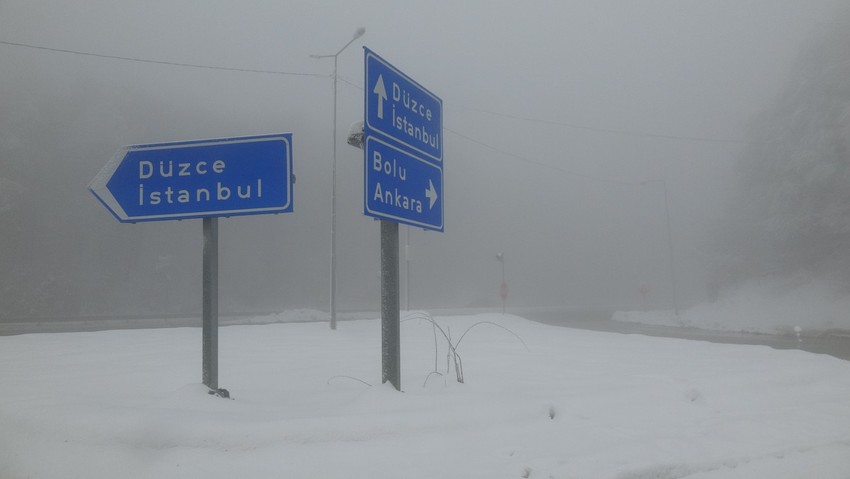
(555, 112)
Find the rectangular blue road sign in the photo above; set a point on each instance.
(402, 187)
(403, 110)
(201, 178)
(403, 147)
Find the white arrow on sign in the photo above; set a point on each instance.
(431, 194)
(381, 91)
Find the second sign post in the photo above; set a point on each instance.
(402, 181)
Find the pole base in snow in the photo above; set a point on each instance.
(220, 392)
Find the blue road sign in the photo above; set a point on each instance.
(403, 146)
(403, 110)
(194, 179)
(402, 187)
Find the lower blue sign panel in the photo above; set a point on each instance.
(203, 178)
(402, 187)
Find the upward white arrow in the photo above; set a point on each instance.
(431, 194)
(381, 91)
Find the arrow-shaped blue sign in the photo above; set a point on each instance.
(202, 178)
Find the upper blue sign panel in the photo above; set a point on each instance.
(402, 110)
(195, 179)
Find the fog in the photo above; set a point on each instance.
(565, 121)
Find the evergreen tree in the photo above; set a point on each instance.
(791, 213)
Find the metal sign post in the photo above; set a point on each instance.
(200, 179)
(210, 304)
(390, 315)
(390, 307)
(402, 179)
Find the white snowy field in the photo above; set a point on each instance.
(559, 403)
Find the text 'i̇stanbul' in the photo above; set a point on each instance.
(168, 169)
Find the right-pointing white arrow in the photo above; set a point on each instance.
(431, 194)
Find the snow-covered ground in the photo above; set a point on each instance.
(778, 305)
(538, 401)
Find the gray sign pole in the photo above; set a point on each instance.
(390, 321)
(210, 304)
(390, 304)
(131, 187)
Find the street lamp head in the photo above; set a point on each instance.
(357, 34)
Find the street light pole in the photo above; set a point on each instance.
(503, 288)
(669, 245)
(357, 34)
